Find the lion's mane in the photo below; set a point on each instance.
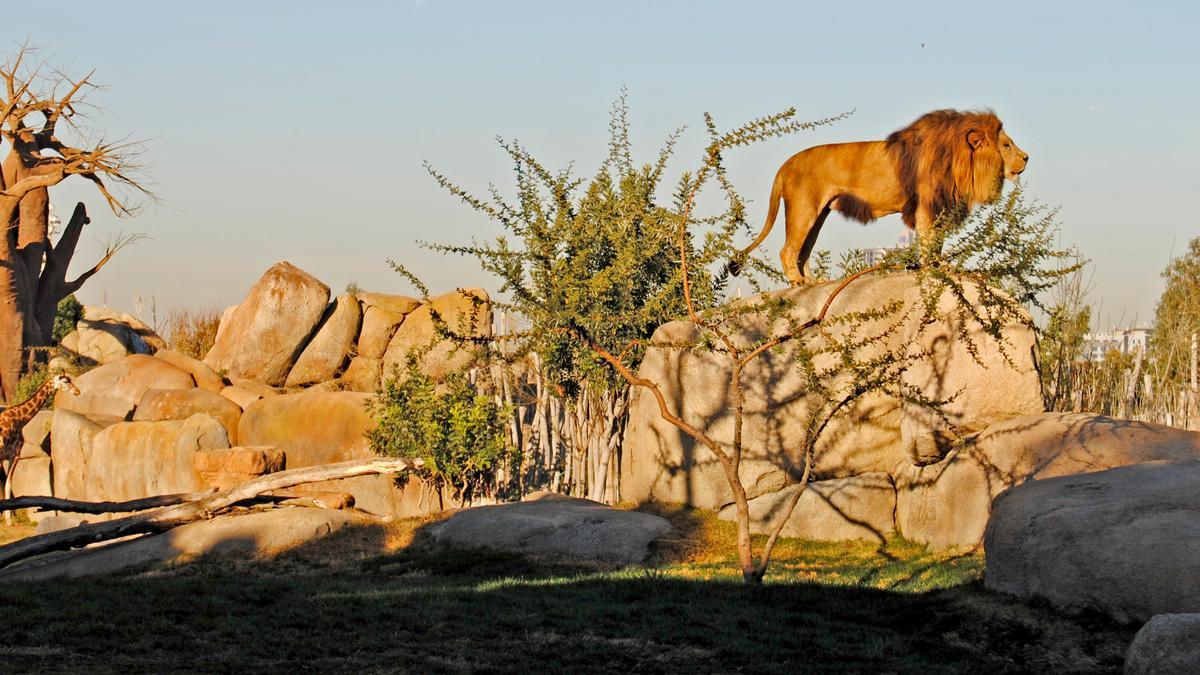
(938, 168)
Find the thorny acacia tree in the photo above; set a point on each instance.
(595, 257)
(39, 107)
(989, 265)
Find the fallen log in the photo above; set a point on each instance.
(42, 503)
(207, 506)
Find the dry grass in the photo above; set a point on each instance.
(192, 331)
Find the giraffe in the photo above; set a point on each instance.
(15, 418)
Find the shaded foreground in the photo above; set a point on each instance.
(372, 599)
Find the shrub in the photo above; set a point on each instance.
(456, 430)
(69, 312)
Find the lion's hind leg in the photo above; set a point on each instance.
(804, 220)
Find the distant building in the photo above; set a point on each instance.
(874, 256)
(1127, 341)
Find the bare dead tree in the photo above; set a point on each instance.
(38, 107)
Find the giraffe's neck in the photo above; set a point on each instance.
(23, 412)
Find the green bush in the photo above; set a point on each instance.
(30, 382)
(69, 312)
(456, 430)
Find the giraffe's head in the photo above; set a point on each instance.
(64, 383)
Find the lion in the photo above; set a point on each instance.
(945, 160)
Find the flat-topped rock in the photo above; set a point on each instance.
(550, 524)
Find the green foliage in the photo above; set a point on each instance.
(30, 382)
(1060, 348)
(69, 312)
(599, 258)
(1177, 317)
(997, 263)
(458, 431)
(352, 288)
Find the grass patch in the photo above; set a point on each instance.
(380, 598)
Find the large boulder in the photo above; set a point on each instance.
(948, 504)
(378, 327)
(113, 390)
(467, 312)
(401, 304)
(1125, 541)
(873, 435)
(225, 468)
(259, 534)
(104, 336)
(363, 374)
(265, 335)
(205, 377)
(550, 524)
(180, 404)
(36, 431)
(839, 509)
(1169, 644)
(145, 333)
(33, 477)
(72, 436)
(326, 353)
(131, 460)
(315, 427)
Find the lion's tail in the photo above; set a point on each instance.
(738, 261)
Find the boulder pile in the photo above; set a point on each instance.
(883, 468)
(284, 386)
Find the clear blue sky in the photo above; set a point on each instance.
(297, 130)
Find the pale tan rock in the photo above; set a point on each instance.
(256, 460)
(114, 389)
(105, 335)
(363, 374)
(30, 451)
(327, 352)
(550, 524)
(379, 325)
(223, 323)
(33, 477)
(205, 377)
(839, 509)
(225, 468)
(401, 304)
(262, 390)
(239, 395)
(1125, 542)
(875, 435)
(269, 329)
(131, 460)
(36, 431)
(467, 312)
(139, 327)
(71, 435)
(314, 428)
(180, 404)
(948, 504)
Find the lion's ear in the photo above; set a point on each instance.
(975, 139)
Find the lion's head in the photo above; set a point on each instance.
(949, 159)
